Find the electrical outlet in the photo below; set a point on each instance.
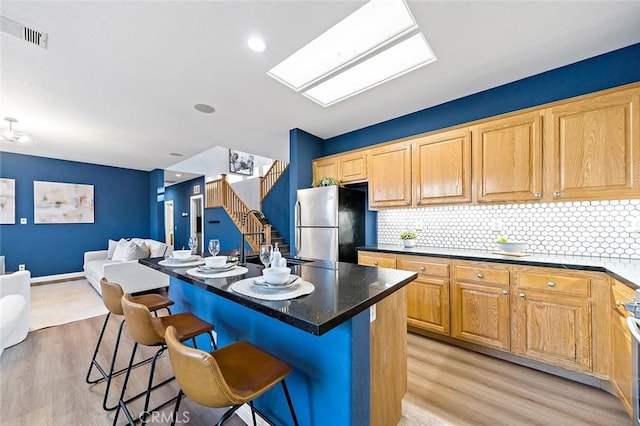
(21, 267)
(496, 226)
(372, 313)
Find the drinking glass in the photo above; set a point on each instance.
(266, 254)
(214, 247)
(193, 242)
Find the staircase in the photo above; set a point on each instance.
(220, 194)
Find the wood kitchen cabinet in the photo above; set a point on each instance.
(552, 318)
(593, 147)
(428, 295)
(442, 167)
(325, 167)
(480, 306)
(390, 175)
(381, 260)
(621, 362)
(507, 156)
(352, 167)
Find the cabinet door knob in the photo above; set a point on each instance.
(375, 262)
(551, 284)
(537, 195)
(522, 296)
(556, 194)
(480, 275)
(505, 292)
(422, 269)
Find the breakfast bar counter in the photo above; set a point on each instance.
(346, 341)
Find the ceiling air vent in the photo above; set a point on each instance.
(24, 32)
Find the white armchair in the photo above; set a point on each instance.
(15, 308)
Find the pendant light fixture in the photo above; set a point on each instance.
(15, 137)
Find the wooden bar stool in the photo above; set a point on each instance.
(111, 295)
(149, 331)
(230, 376)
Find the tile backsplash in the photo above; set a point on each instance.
(581, 228)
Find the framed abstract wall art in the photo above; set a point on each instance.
(240, 162)
(55, 202)
(7, 201)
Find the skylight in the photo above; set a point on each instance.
(400, 59)
(374, 25)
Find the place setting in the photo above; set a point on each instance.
(216, 266)
(276, 282)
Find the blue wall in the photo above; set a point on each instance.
(225, 230)
(598, 73)
(181, 195)
(121, 210)
(156, 205)
(303, 148)
(276, 208)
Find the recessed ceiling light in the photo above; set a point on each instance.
(374, 25)
(178, 174)
(256, 44)
(204, 108)
(397, 60)
(176, 154)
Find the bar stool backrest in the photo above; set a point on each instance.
(111, 296)
(198, 374)
(140, 323)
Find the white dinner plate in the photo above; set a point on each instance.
(260, 283)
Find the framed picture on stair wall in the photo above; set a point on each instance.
(240, 162)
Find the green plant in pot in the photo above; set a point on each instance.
(327, 181)
(409, 237)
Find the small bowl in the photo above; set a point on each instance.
(275, 276)
(182, 254)
(512, 247)
(215, 261)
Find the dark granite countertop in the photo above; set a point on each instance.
(625, 270)
(342, 290)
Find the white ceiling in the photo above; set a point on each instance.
(118, 81)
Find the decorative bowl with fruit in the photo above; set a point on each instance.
(511, 246)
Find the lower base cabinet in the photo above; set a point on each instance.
(621, 360)
(428, 305)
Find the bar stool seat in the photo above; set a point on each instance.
(150, 331)
(111, 295)
(227, 377)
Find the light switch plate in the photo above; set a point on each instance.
(23, 221)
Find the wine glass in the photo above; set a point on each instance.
(266, 254)
(193, 242)
(214, 247)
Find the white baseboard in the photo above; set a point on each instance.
(58, 277)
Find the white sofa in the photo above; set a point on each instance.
(130, 274)
(15, 308)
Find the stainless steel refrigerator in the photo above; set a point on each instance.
(329, 223)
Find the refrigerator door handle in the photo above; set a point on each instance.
(296, 219)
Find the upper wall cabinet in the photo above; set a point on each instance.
(352, 167)
(325, 167)
(508, 158)
(390, 175)
(442, 168)
(593, 147)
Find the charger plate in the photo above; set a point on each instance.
(248, 288)
(238, 270)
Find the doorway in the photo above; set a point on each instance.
(196, 214)
(168, 223)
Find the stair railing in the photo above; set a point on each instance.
(219, 193)
(270, 178)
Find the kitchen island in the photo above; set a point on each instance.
(346, 341)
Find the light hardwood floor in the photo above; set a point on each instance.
(42, 383)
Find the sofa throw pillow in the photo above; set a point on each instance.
(111, 249)
(136, 250)
(156, 248)
(118, 252)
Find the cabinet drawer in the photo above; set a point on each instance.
(620, 293)
(556, 283)
(482, 275)
(382, 262)
(424, 267)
